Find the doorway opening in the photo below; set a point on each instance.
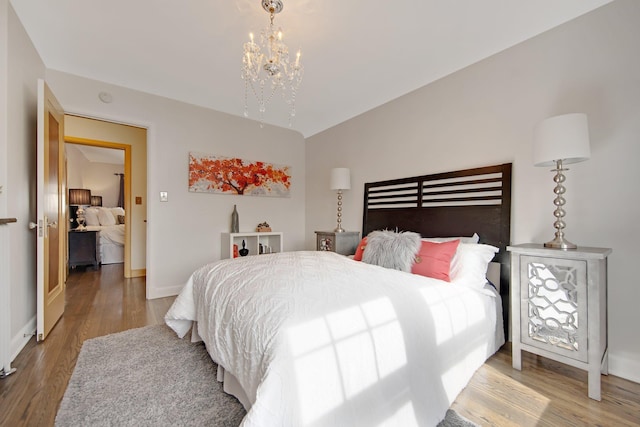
(105, 157)
(98, 173)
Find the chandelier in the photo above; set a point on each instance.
(266, 68)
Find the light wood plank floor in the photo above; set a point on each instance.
(544, 393)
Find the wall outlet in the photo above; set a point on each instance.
(164, 196)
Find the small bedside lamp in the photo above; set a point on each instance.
(340, 180)
(96, 200)
(79, 197)
(558, 141)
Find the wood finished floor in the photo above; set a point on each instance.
(97, 303)
(544, 393)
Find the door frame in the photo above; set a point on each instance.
(128, 273)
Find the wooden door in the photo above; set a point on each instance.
(51, 209)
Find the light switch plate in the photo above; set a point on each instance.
(164, 196)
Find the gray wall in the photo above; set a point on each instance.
(484, 115)
(18, 157)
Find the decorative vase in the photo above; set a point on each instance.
(244, 251)
(235, 221)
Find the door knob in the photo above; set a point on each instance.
(37, 225)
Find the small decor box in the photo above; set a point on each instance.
(263, 227)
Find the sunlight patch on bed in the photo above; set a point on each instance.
(319, 383)
(405, 415)
(345, 323)
(454, 379)
(308, 336)
(387, 335)
(379, 312)
(465, 312)
(357, 350)
(356, 347)
(464, 304)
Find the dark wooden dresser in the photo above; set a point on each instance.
(83, 248)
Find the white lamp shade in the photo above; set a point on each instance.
(563, 138)
(340, 179)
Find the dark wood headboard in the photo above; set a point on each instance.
(448, 204)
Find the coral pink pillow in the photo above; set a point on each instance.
(360, 249)
(434, 259)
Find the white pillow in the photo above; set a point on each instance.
(470, 263)
(473, 239)
(106, 217)
(91, 216)
(117, 211)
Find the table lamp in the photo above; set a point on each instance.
(340, 180)
(558, 141)
(80, 197)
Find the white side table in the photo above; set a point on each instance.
(255, 242)
(559, 307)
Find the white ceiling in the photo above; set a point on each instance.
(357, 54)
(101, 155)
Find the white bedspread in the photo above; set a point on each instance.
(317, 339)
(111, 241)
(110, 233)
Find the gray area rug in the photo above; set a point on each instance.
(150, 377)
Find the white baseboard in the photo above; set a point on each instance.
(169, 291)
(624, 367)
(22, 338)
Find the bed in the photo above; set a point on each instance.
(110, 223)
(317, 338)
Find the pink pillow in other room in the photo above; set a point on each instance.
(434, 259)
(360, 249)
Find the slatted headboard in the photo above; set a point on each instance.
(448, 204)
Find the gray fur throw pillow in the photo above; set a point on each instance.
(392, 250)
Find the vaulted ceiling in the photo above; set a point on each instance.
(357, 54)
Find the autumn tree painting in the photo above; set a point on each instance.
(215, 174)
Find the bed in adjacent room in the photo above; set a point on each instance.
(317, 338)
(110, 223)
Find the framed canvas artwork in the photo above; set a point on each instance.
(228, 175)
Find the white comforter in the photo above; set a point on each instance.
(109, 233)
(317, 339)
